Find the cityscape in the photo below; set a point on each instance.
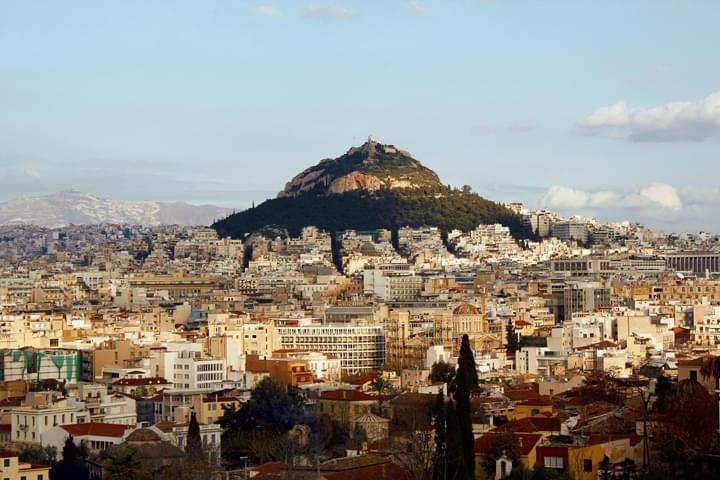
(187, 299)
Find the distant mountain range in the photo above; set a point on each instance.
(371, 186)
(73, 207)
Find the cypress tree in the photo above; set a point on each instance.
(512, 344)
(465, 382)
(193, 449)
(455, 457)
(440, 466)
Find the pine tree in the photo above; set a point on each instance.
(193, 449)
(439, 460)
(465, 382)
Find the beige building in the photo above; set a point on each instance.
(12, 469)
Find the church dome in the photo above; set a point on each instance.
(466, 309)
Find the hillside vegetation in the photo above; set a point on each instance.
(442, 207)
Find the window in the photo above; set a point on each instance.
(6, 462)
(554, 462)
(693, 375)
(587, 465)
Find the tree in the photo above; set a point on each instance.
(122, 464)
(455, 458)
(270, 407)
(439, 425)
(465, 382)
(711, 367)
(194, 448)
(359, 436)
(663, 388)
(512, 344)
(72, 466)
(442, 372)
(38, 455)
(379, 385)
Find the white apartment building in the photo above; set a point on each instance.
(360, 348)
(194, 371)
(394, 281)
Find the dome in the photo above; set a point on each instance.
(143, 435)
(466, 309)
(368, 249)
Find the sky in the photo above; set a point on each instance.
(603, 108)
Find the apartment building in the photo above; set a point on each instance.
(360, 348)
(192, 370)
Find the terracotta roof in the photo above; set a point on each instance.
(140, 381)
(143, 435)
(531, 425)
(601, 344)
(362, 380)
(521, 394)
(348, 395)
(522, 323)
(96, 429)
(485, 444)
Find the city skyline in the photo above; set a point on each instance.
(566, 106)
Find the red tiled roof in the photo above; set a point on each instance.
(531, 425)
(140, 381)
(348, 395)
(522, 323)
(485, 444)
(5, 427)
(96, 429)
(521, 394)
(367, 378)
(602, 344)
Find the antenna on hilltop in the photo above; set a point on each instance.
(372, 139)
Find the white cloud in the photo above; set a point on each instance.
(267, 11)
(676, 121)
(32, 173)
(329, 12)
(653, 196)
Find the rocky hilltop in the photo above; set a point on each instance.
(371, 167)
(371, 186)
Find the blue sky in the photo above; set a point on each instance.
(563, 104)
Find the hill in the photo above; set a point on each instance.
(372, 186)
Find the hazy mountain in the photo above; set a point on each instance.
(73, 207)
(371, 186)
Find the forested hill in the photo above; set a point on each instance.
(442, 207)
